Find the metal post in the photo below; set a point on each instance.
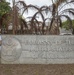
(13, 19)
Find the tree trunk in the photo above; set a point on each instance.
(1, 25)
(54, 29)
(73, 32)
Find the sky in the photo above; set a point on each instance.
(34, 2)
(38, 2)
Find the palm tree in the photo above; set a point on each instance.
(17, 20)
(26, 7)
(23, 24)
(4, 11)
(58, 11)
(33, 21)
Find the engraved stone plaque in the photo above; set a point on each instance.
(38, 49)
(10, 49)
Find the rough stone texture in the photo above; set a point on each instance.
(66, 69)
(43, 49)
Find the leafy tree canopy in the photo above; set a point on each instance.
(4, 7)
(67, 26)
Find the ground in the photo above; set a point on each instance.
(65, 69)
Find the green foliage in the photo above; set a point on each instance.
(4, 8)
(67, 26)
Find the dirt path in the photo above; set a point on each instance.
(37, 69)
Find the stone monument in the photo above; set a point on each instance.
(10, 49)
